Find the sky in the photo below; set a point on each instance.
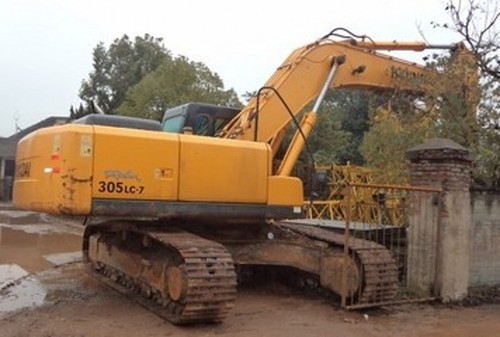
(46, 45)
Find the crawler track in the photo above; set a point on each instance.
(179, 276)
(378, 269)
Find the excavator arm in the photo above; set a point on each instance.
(307, 73)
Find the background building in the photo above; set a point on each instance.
(8, 148)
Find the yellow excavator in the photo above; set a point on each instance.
(173, 208)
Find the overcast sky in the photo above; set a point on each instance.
(46, 45)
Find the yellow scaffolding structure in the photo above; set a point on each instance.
(370, 203)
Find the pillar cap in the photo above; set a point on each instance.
(439, 148)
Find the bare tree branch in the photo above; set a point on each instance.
(482, 39)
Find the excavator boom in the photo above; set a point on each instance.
(300, 78)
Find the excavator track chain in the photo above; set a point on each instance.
(378, 269)
(196, 282)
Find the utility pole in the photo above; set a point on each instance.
(16, 123)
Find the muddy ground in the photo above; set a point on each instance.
(46, 291)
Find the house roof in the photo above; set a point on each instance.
(49, 121)
(8, 144)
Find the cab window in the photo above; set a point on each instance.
(219, 124)
(201, 125)
(173, 124)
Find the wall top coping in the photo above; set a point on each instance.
(439, 148)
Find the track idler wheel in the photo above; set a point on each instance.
(176, 283)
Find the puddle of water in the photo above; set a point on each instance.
(35, 222)
(29, 249)
(18, 216)
(33, 228)
(41, 228)
(29, 245)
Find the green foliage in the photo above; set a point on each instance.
(176, 81)
(119, 67)
(82, 110)
(448, 108)
(328, 140)
(78, 112)
(248, 95)
(487, 164)
(469, 113)
(385, 145)
(341, 125)
(377, 128)
(452, 96)
(486, 169)
(477, 22)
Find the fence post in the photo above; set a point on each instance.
(439, 246)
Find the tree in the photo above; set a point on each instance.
(443, 105)
(78, 112)
(478, 23)
(328, 140)
(176, 81)
(390, 136)
(119, 67)
(342, 122)
(452, 107)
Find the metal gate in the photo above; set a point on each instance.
(399, 218)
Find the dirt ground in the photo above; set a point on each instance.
(57, 297)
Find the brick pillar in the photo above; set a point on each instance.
(446, 164)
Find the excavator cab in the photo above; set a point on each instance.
(198, 118)
(194, 118)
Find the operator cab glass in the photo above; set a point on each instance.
(202, 119)
(173, 124)
(201, 125)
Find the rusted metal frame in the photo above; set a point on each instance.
(320, 208)
(388, 214)
(347, 238)
(398, 187)
(346, 251)
(400, 255)
(332, 209)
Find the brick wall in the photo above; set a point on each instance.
(442, 163)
